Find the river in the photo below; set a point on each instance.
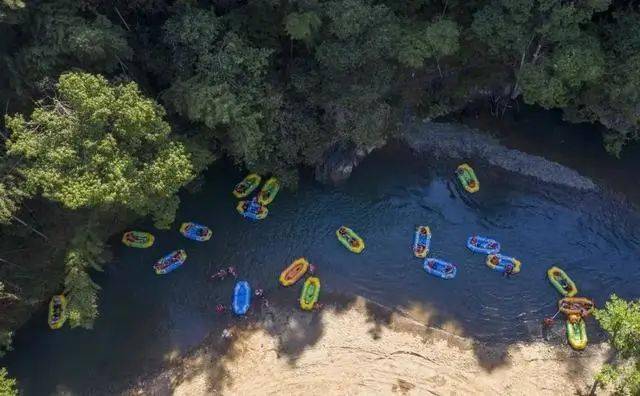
(146, 320)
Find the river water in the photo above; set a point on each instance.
(146, 320)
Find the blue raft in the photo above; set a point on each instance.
(440, 268)
(195, 231)
(170, 262)
(241, 298)
(478, 244)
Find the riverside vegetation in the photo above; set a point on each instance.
(112, 107)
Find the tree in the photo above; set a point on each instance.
(621, 320)
(102, 146)
(58, 37)
(525, 32)
(7, 384)
(86, 253)
(220, 82)
(302, 26)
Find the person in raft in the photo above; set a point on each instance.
(495, 260)
(508, 270)
(471, 183)
(342, 231)
(423, 231)
(232, 271)
(420, 249)
(563, 283)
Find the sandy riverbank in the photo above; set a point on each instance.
(361, 348)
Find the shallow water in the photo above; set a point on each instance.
(146, 319)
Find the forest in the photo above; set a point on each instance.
(110, 108)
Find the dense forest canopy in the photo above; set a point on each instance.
(111, 107)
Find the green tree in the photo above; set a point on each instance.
(86, 253)
(220, 82)
(102, 146)
(527, 32)
(621, 320)
(7, 384)
(302, 26)
(56, 36)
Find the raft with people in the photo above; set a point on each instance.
(350, 239)
(422, 241)
(170, 262)
(561, 281)
(195, 231)
(310, 293)
(252, 210)
(57, 311)
(577, 333)
(241, 298)
(468, 178)
(138, 239)
(576, 306)
(480, 244)
(505, 264)
(294, 272)
(440, 268)
(269, 191)
(247, 185)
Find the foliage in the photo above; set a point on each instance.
(621, 320)
(220, 82)
(62, 37)
(86, 253)
(302, 26)
(103, 146)
(7, 384)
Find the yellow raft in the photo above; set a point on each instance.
(350, 239)
(310, 293)
(138, 239)
(294, 272)
(577, 334)
(269, 191)
(247, 185)
(561, 281)
(57, 311)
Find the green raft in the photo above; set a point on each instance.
(269, 191)
(561, 281)
(310, 293)
(577, 334)
(468, 178)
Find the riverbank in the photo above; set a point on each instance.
(354, 346)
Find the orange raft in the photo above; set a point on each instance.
(294, 272)
(580, 306)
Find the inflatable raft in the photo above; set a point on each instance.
(502, 263)
(577, 334)
(269, 191)
(57, 311)
(241, 298)
(422, 242)
(350, 239)
(138, 239)
(247, 185)
(479, 244)
(310, 293)
(294, 272)
(576, 306)
(440, 268)
(252, 210)
(468, 178)
(561, 281)
(170, 262)
(195, 231)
